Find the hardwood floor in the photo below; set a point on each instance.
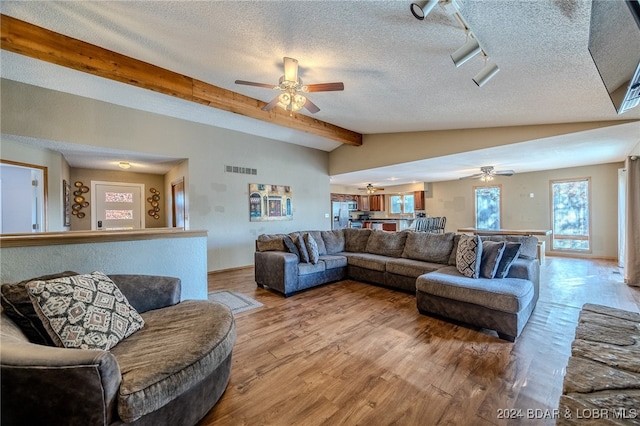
(350, 353)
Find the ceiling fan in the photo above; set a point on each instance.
(487, 173)
(292, 98)
(370, 189)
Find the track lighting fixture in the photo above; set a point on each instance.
(421, 9)
(487, 72)
(470, 49)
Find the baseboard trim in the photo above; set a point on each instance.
(579, 256)
(237, 268)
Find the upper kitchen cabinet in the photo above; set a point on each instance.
(376, 203)
(418, 200)
(363, 202)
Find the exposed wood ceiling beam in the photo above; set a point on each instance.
(39, 43)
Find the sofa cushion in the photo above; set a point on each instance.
(506, 295)
(469, 256)
(386, 243)
(410, 267)
(332, 261)
(310, 268)
(375, 262)
(179, 346)
(511, 251)
(270, 242)
(491, 255)
(317, 236)
(429, 247)
(529, 248)
(355, 240)
(312, 247)
(17, 305)
(84, 311)
(333, 241)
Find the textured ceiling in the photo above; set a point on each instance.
(397, 71)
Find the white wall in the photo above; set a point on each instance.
(17, 194)
(454, 199)
(217, 201)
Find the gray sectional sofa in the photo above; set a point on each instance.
(418, 262)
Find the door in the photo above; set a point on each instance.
(22, 198)
(117, 205)
(178, 207)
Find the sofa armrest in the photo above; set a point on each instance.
(57, 386)
(147, 292)
(528, 269)
(277, 270)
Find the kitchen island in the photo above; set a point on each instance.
(388, 224)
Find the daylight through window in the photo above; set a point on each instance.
(570, 214)
(487, 207)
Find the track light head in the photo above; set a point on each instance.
(466, 52)
(421, 9)
(486, 73)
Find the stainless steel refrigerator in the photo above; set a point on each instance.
(340, 214)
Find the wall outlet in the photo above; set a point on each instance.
(326, 215)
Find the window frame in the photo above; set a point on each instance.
(554, 236)
(402, 212)
(475, 203)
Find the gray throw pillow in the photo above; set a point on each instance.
(312, 248)
(491, 254)
(509, 256)
(454, 249)
(302, 248)
(291, 246)
(317, 235)
(469, 256)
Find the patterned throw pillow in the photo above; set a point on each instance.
(312, 248)
(469, 256)
(84, 311)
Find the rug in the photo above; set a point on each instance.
(236, 301)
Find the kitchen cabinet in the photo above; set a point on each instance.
(343, 197)
(418, 200)
(363, 203)
(376, 203)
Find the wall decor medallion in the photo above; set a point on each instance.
(270, 202)
(154, 200)
(66, 199)
(79, 199)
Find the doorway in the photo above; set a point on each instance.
(22, 198)
(117, 205)
(178, 205)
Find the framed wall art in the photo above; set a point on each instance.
(270, 202)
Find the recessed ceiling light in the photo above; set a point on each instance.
(124, 165)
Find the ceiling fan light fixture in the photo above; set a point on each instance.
(468, 50)
(291, 102)
(421, 9)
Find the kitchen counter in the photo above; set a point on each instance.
(388, 224)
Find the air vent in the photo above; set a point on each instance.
(241, 170)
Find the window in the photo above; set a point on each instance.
(570, 214)
(399, 204)
(488, 203)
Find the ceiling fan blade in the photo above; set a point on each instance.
(251, 83)
(504, 173)
(272, 104)
(476, 176)
(325, 87)
(290, 69)
(311, 107)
